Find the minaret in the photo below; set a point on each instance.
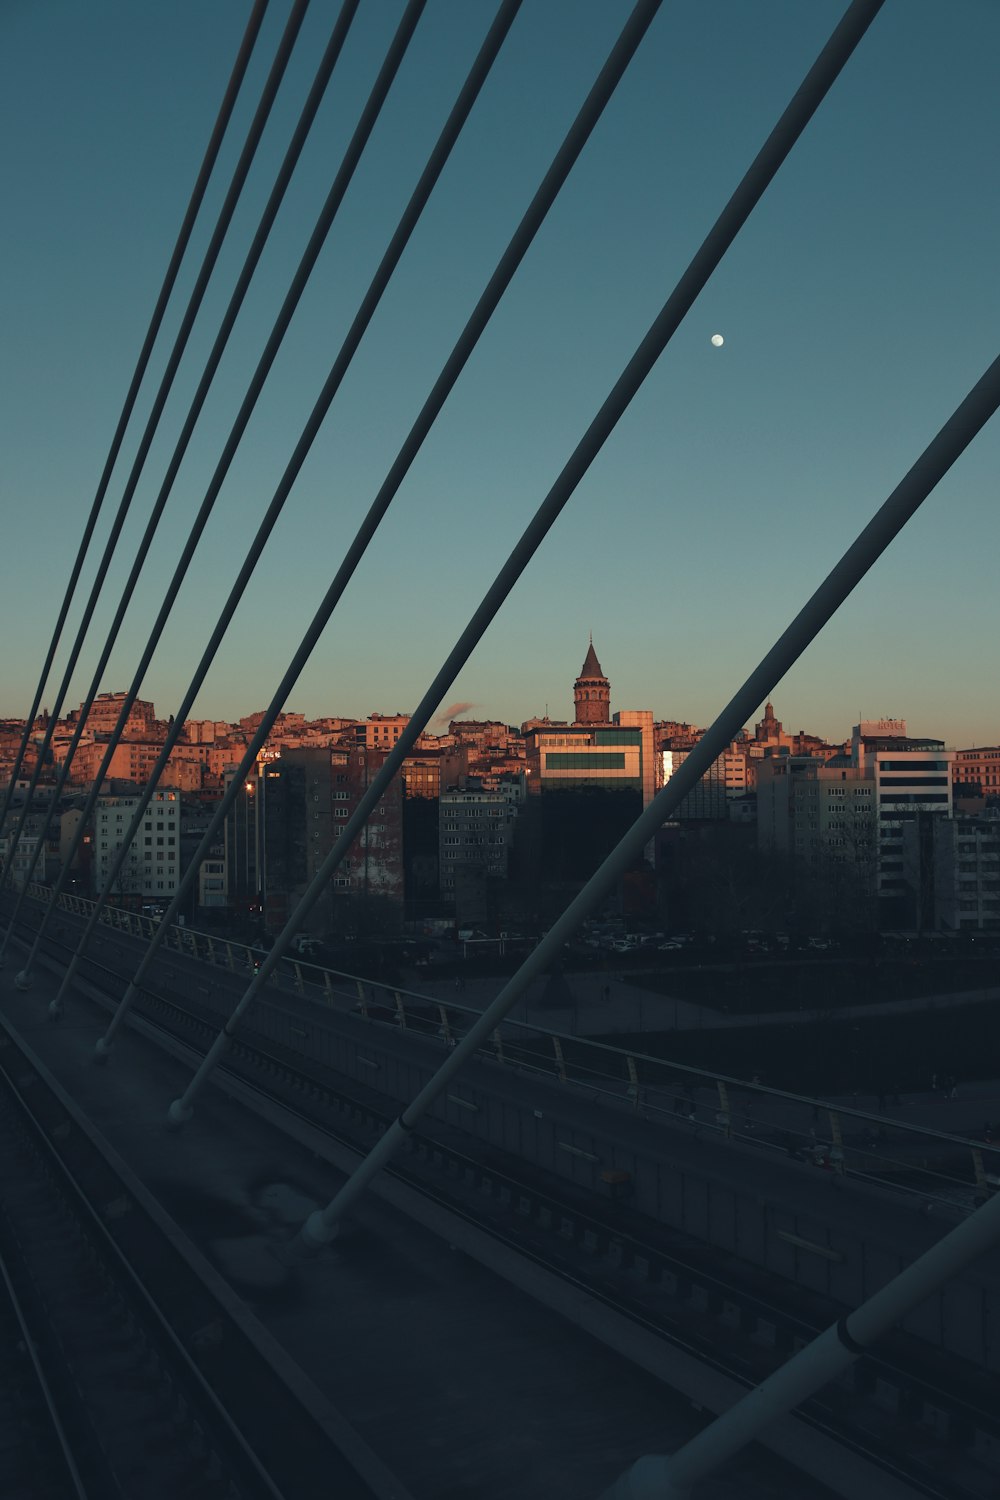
(592, 691)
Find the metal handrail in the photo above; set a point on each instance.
(612, 1064)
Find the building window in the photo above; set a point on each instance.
(913, 765)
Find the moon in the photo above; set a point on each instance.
(718, 340)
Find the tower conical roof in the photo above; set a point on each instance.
(591, 666)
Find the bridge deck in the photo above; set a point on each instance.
(463, 1385)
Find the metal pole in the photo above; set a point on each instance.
(663, 1478)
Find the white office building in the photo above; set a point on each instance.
(910, 776)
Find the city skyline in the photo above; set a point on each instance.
(854, 321)
(459, 711)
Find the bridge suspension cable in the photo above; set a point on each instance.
(187, 225)
(579, 131)
(369, 115)
(937, 458)
(758, 176)
(307, 116)
(209, 259)
(321, 1226)
(854, 1333)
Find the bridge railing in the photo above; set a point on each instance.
(936, 1167)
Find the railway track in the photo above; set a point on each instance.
(36, 1454)
(131, 1414)
(931, 1435)
(121, 1374)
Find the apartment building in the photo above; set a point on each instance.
(952, 864)
(823, 813)
(476, 830)
(152, 867)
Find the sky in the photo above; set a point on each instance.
(858, 307)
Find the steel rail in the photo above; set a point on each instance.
(41, 1380)
(74, 1193)
(233, 1382)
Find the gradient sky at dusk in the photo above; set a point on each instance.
(858, 308)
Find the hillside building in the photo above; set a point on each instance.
(978, 769)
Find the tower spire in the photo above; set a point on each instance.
(592, 691)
